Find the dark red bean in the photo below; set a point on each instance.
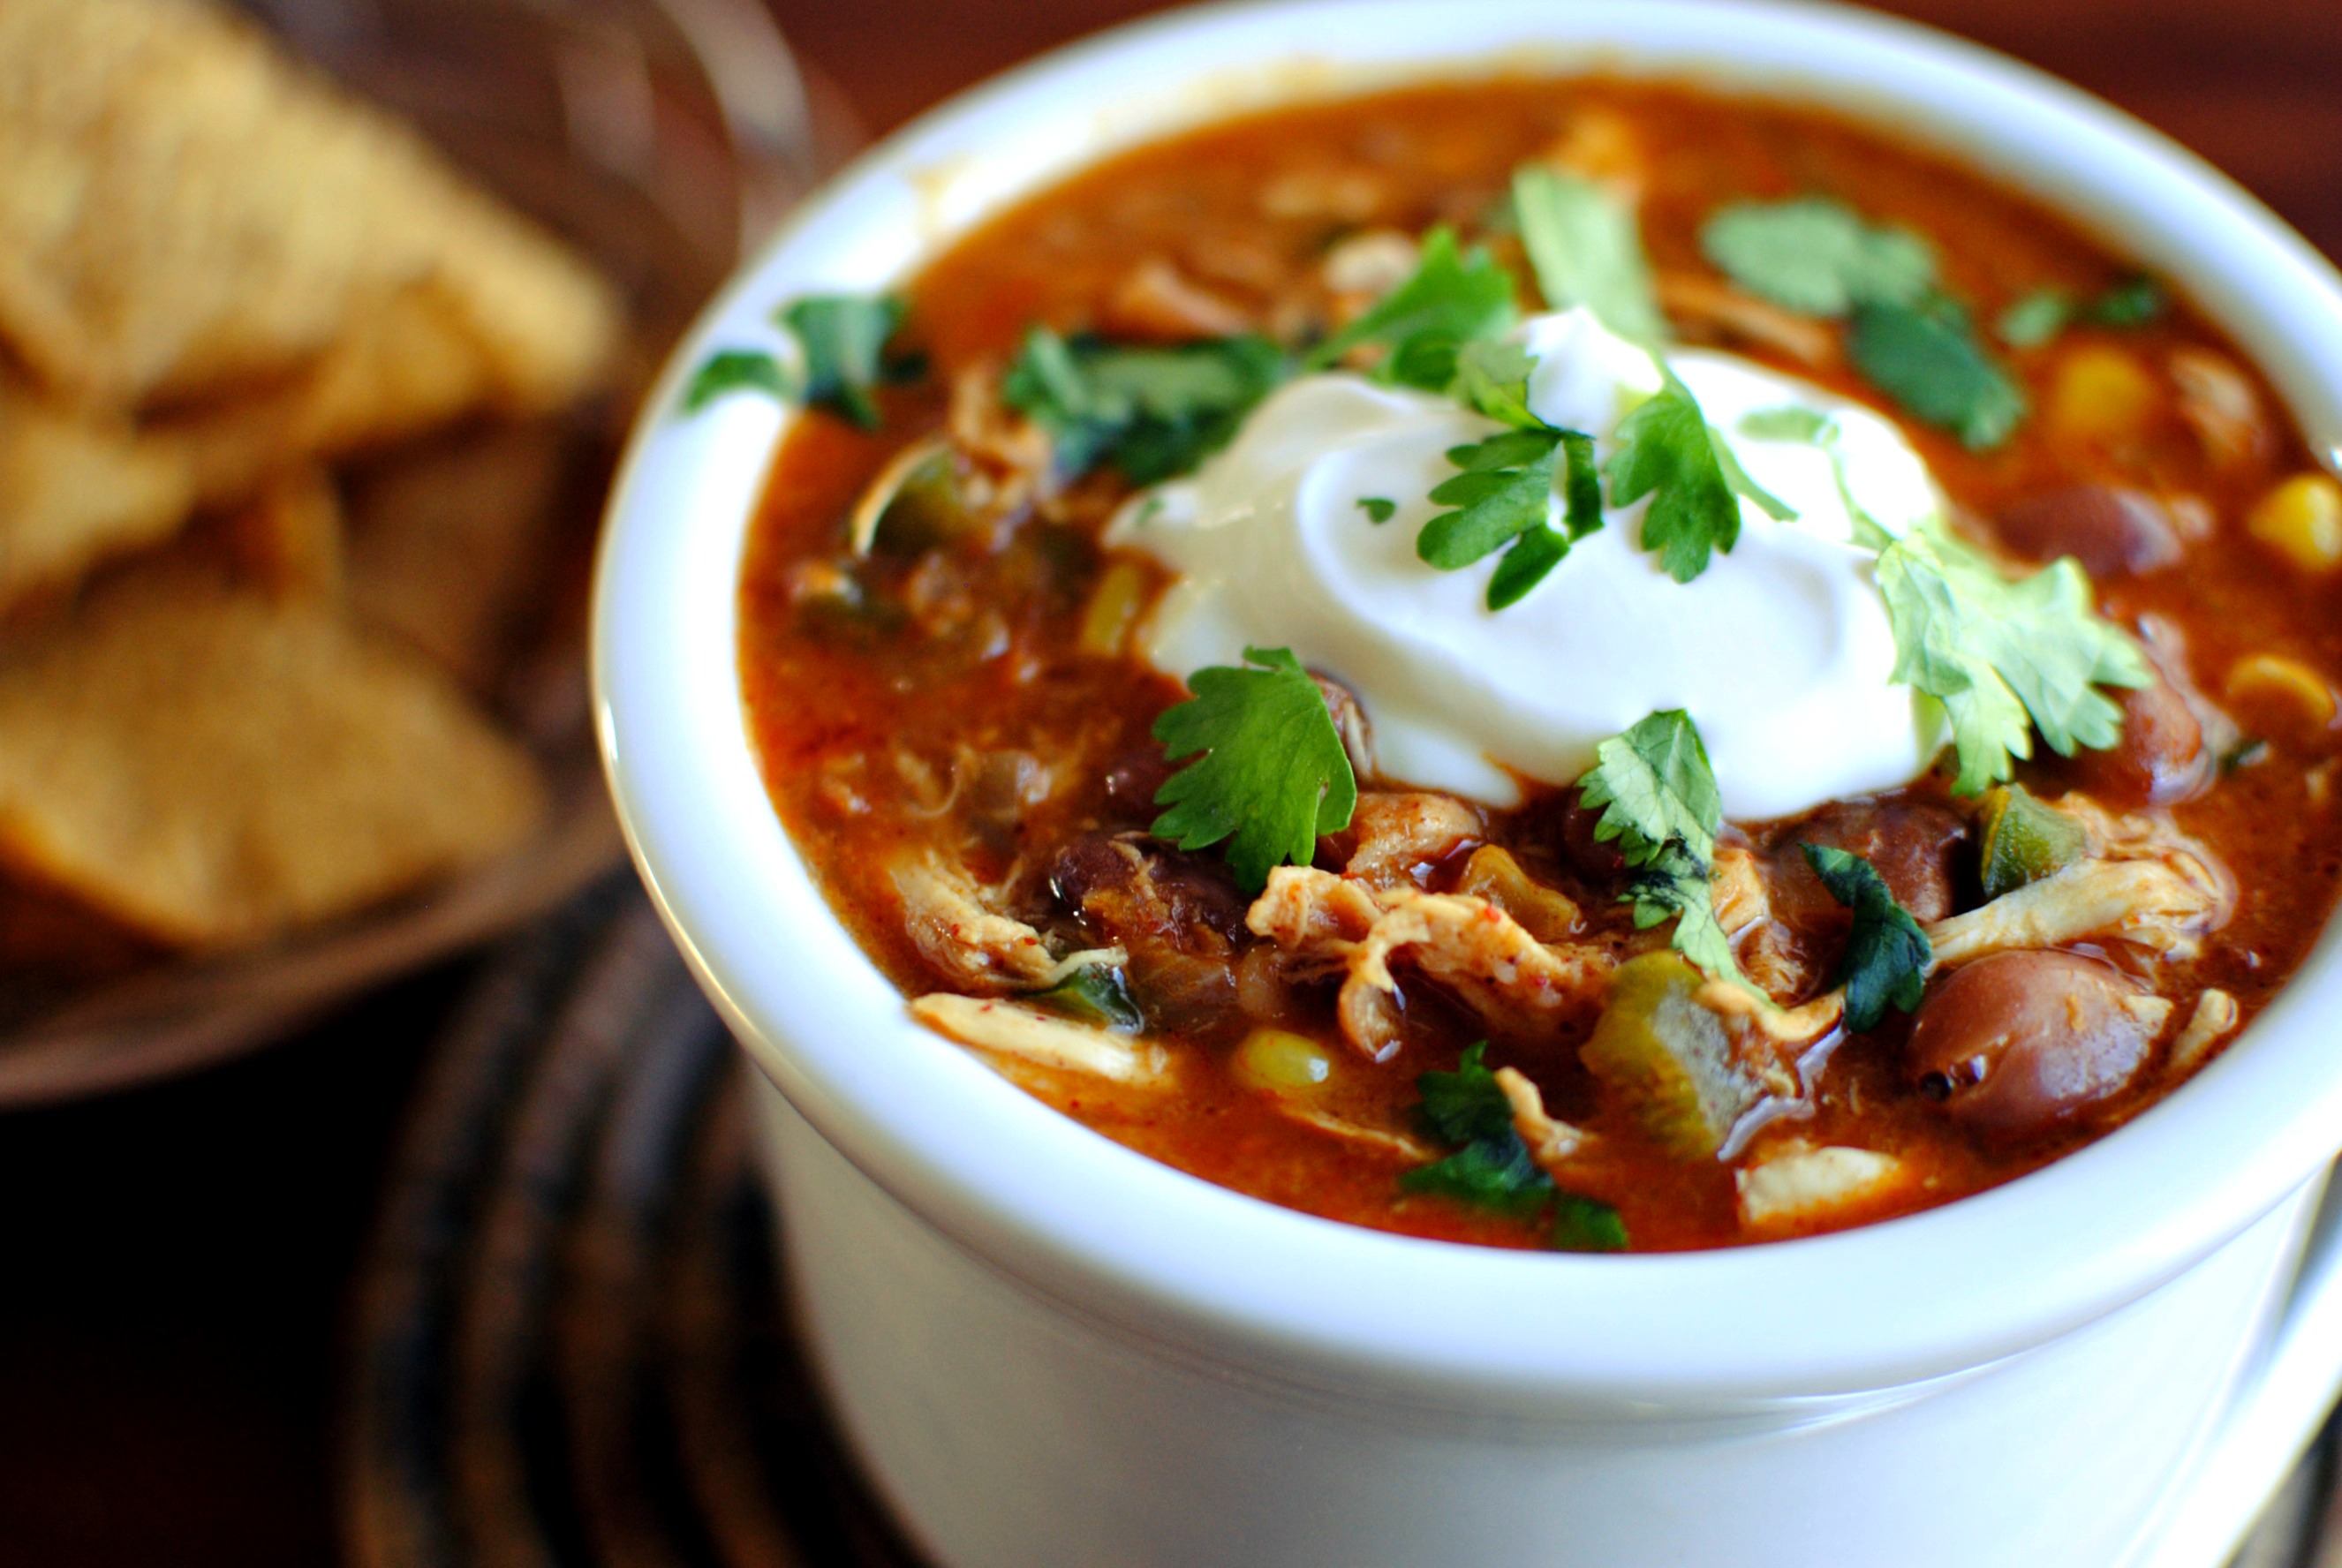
(2017, 1045)
(2112, 533)
(1914, 846)
(2161, 756)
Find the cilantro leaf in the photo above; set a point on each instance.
(1925, 355)
(1492, 1168)
(2034, 319)
(2004, 656)
(1506, 490)
(1377, 508)
(1151, 413)
(1654, 786)
(1452, 298)
(1888, 956)
(1584, 1224)
(1096, 994)
(1657, 795)
(1587, 250)
(844, 341)
(1667, 450)
(730, 370)
(1815, 256)
(1493, 378)
(2041, 315)
(1270, 773)
(1503, 499)
(1786, 423)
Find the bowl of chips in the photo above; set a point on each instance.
(320, 323)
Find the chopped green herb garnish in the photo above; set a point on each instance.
(1667, 450)
(1587, 250)
(1888, 955)
(1492, 1168)
(1503, 498)
(1788, 423)
(1584, 1224)
(1095, 994)
(1377, 508)
(2133, 303)
(1453, 298)
(1506, 489)
(1925, 355)
(1151, 413)
(731, 370)
(1657, 795)
(2004, 656)
(2042, 315)
(2034, 319)
(1817, 256)
(844, 341)
(2249, 751)
(1270, 773)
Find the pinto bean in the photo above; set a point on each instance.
(1914, 846)
(2017, 1045)
(2112, 533)
(2160, 757)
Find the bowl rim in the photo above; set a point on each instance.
(1191, 1269)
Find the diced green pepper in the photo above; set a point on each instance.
(1667, 1058)
(1094, 995)
(2026, 839)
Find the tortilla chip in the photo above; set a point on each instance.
(409, 366)
(74, 492)
(287, 542)
(448, 542)
(211, 767)
(184, 213)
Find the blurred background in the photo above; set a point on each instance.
(177, 1260)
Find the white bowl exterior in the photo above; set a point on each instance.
(1259, 1291)
(1004, 1431)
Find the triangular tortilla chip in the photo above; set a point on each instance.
(183, 212)
(73, 490)
(210, 765)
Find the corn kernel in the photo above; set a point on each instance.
(1113, 607)
(1281, 1062)
(2101, 394)
(2275, 681)
(2301, 519)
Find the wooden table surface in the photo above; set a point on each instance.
(173, 1262)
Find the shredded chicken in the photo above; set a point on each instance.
(1603, 146)
(1744, 907)
(1034, 1038)
(1466, 945)
(2146, 883)
(2214, 1020)
(1702, 302)
(1398, 1145)
(947, 916)
(1156, 300)
(1799, 1181)
(1366, 267)
(1783, 1025)
(2218, 400)
(1551, 1143)
(1395, 833)
(1008, 461)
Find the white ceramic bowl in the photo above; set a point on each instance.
(1050, 1350)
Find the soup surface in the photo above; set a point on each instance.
(1519, 1012)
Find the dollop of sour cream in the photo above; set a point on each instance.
(1780, 651)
